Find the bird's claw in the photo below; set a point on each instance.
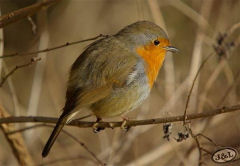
(96, 127)
(124, 125)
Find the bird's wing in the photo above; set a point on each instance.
(103, 66)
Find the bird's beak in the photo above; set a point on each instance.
(171, 49)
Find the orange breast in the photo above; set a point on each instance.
(154, 57)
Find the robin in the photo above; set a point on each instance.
(114, 74)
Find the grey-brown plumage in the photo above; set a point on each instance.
(109, 76)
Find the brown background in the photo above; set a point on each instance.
(192, 25)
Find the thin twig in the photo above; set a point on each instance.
(154, 154)
(199, 150)
(206, 152)
(122, 146)
(3, 80)
(198, 145)
(190, 92)
(221, 51)
(65, 132)
(198, 50)
(130, 123)
(29, 128)
(85, 147)
(207, 138)
(24, 12)
(52, 48)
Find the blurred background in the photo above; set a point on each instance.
(196, 27)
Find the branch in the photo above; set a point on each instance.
(191, 89)
(130, 123)
(24, 12)
(15, 142)
(65, 132)
(85, 147)
(52, 48)
(4, 78)
(220, 50)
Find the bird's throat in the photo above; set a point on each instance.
(153, 57)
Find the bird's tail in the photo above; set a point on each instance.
(60, 123)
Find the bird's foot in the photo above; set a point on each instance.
(124, 125)
(96, 127)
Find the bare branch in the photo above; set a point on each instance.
(4, 78)
(130, 123)
(65, 132)
(207, 138)
(85, 147)
(24, 12)
(29, 128)
(52, 48)
(198, 146)
(190, 92)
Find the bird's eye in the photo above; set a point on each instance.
(156, 42)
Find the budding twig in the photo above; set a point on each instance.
(52, 48)
(4, 78)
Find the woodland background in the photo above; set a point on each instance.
(196, 27)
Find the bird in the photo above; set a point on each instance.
(114, 74)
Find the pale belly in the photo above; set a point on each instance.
(122, 100)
